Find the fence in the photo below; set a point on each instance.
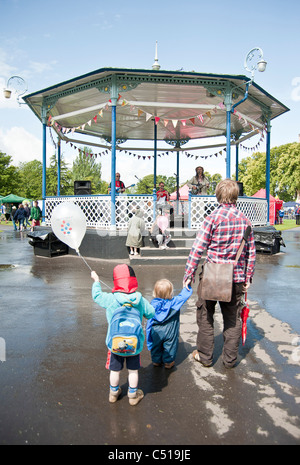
(97, 209)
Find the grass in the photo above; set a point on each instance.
(287, 224)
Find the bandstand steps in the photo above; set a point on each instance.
(170, 252)
(176, 254)
(159, 259)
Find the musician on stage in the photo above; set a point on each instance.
(199, 183)
(120, 186)
(162, 193)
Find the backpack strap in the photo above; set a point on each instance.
(127, 305)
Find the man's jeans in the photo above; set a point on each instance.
(231, 331)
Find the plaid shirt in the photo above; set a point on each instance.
(221, 234)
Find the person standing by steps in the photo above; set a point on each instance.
(136, 229)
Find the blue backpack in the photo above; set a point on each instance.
(124, 331)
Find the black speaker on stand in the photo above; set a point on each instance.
(241, 188)
(82, 187)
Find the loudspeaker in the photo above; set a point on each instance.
(241, 188)
(82, 187)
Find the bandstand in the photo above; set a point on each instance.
(112, 106)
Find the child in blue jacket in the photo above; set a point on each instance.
(163, 329)
(124, 292)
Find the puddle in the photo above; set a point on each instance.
(7, 267)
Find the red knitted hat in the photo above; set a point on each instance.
(124, 279)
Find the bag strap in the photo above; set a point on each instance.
(244, 240)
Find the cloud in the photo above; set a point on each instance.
(22, 146)
(6, 69)
(36, 67)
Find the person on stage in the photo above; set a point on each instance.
(120, 186)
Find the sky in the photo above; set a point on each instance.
(46, 43)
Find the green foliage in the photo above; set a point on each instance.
(66, 187)
(288, 172)
(9, 175)
(145, 186)
(31, 179)
(26, 180)
(86, 168)
(284, 172)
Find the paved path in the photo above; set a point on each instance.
(54, 387)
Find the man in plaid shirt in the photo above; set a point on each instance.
(221, 235)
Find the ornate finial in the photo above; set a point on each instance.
(155, 65)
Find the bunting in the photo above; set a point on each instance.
(162, 154)
(140, 113)
(165, 121)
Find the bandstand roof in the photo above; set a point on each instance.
(186, 105)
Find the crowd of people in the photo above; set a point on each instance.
(22, 215)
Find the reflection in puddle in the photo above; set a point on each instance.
(7, 267)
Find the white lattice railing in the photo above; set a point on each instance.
(97, 209)
(253, 208)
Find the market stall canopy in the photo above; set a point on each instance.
(184, 105)
(275, 204)
(183, 193)
(12, 198)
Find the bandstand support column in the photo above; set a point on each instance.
(237, 162)
(154, 170)
(228, 134)
(58, 165)
(228, 106)
(268, 151)
(114, 98)
(177, 182)
(44, 159)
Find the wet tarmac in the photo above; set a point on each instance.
(53, 381)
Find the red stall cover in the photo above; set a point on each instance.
(275, 204)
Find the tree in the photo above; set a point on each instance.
(145, 185)
(288, 172)
(284, 172)
(85, 168)
(66, 187)
(31, 179)
(252, 173)
(9, 176)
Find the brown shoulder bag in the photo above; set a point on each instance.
(218, 277)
